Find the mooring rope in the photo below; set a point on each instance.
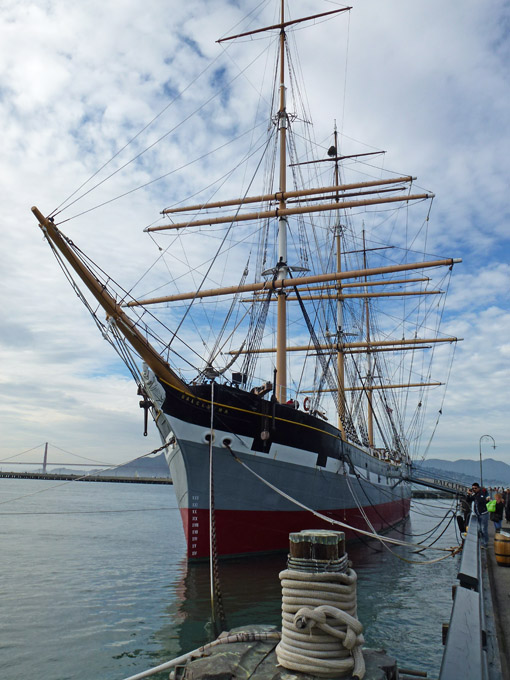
(371, 534)
(243, 636)
(216, 596)
(320, 632)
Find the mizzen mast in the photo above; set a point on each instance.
(368, 383)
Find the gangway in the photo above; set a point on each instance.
(420, 477)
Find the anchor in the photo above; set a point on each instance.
(145, 404)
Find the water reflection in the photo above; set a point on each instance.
(401, 604)
(251, 594)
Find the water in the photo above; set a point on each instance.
(94, 584)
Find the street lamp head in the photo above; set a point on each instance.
(480, 450)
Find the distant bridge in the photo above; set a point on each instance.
(69, 477)
(46, 462)
(60, 464)
(61, 473)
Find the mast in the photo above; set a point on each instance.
(368, 386)
(282, 270)
(340, 357)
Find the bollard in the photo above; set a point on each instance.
(316, 551)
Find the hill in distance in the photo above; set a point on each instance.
(467, 471)
(150, 467)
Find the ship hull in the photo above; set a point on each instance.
(260, 496)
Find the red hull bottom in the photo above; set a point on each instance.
(243, 532)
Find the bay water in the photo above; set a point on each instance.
(94, 583)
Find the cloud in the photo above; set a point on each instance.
(426, 81)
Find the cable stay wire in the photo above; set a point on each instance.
(155, 118)
(87, 512)
(4, 460)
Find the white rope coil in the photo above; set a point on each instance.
(320, 632)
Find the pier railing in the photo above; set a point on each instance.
(465, 654)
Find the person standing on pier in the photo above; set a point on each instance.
(507, 504)
(479, 505)
(496, 514)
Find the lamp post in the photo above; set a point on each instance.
(480, 447)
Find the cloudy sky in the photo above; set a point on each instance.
(427, 81)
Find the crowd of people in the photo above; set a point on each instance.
(487, 504)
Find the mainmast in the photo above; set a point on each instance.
(340, 357)
(282, 270)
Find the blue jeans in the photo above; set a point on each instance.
(483, 528)
(497, 525)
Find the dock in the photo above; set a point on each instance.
(477, 638)
(65, 477)
(499, 583)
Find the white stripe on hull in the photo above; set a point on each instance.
(292, 470)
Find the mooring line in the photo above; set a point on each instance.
(451, 551)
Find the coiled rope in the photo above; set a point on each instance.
(320, 632)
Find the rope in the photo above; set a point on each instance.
(320, 632)
(216, 598)
(372, 534)
(383, 543)
(201, 651)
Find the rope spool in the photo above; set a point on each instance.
(320, 632)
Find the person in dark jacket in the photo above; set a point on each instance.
(465, 508)
(507, 505)
(479, 509)
(497, 514)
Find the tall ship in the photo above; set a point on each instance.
(285, 347)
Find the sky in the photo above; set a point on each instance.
(427, 81)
